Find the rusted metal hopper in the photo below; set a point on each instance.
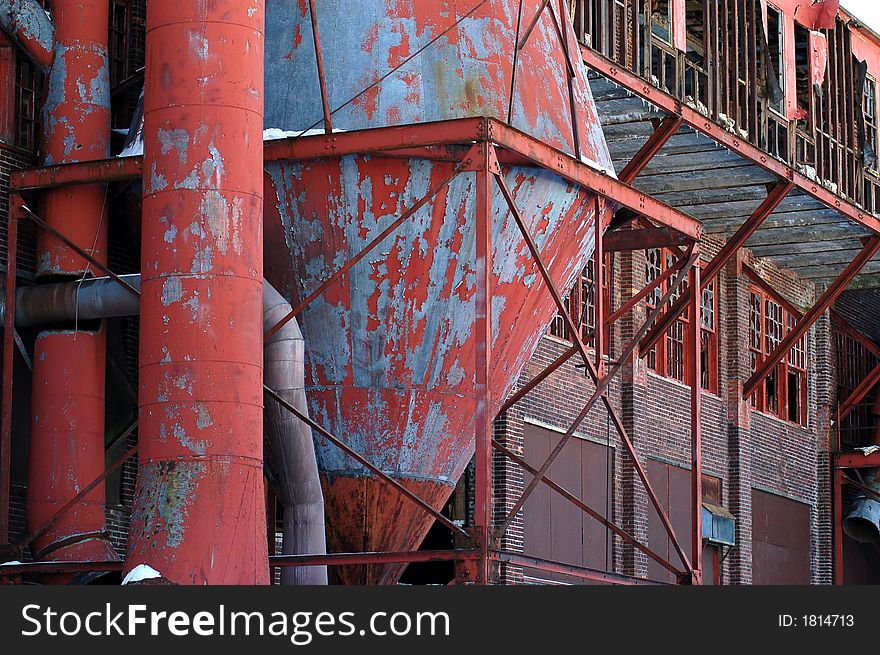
(390, 350)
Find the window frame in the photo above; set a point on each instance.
(581, 306)
(871, 126)
(26, 122)
(665, 359)
(760, 345)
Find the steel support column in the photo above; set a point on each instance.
(486, 169)
(694, 357)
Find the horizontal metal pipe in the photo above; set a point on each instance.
(64, 302)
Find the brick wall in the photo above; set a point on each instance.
(744, 448)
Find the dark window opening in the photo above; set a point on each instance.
(581, 305)
(869, 111)
(784, 390)
(776, 52)
(802, 76)
(117, 41)
(27, 84)
(661, 19)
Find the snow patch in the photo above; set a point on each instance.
(134, 149)
(141, 572)
(274, 133)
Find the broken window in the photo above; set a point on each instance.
(869, 111)
(661, 19)
(709, 338)
(803, 87)
(856, 356)
(776, 59)
(581, 305)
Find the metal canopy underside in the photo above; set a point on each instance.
(715, 185)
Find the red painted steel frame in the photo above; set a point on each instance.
(692, 118)
(519, 148)
(727, 252)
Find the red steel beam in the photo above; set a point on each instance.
(319, 60)
(486, 169)
(837, 521)
(535, 381)
(586, 176)
(644, 238)
(806, 321)
(13, 570)
(662, 133)
(600, 382)
(385, 557)
(776, 195)
(577, 502)
(859, 393)
(856, 460)
(694, 360)
(582, 572)
(692, 118)
(85, 172)
(598, 286)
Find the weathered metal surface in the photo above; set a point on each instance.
(76, 128)
(31, 28)
(67, 445)
(390, 349)
(199, 514)
(67, 429)
(293, 449)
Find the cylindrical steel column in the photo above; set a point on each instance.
(67, 427)
(199, 514)
(67, 446)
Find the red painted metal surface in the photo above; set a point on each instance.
(391, 348)
(76, 128)
(67, 426)
(199, 515)
(67, 446)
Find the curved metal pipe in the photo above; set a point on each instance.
(292, 445)
(291, 440)
(28, 24)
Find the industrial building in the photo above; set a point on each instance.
(483, 292)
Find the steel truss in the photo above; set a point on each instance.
(481, 147)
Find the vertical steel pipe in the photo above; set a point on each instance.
(67, 446)
(199, 515)
(67, 421)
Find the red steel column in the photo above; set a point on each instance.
(199, 514)
(67, 420)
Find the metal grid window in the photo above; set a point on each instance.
(668, 357)
(784, 391)
(27, 84)
(581, 304)
(856, 356)
(869, 110)
(117, 41)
